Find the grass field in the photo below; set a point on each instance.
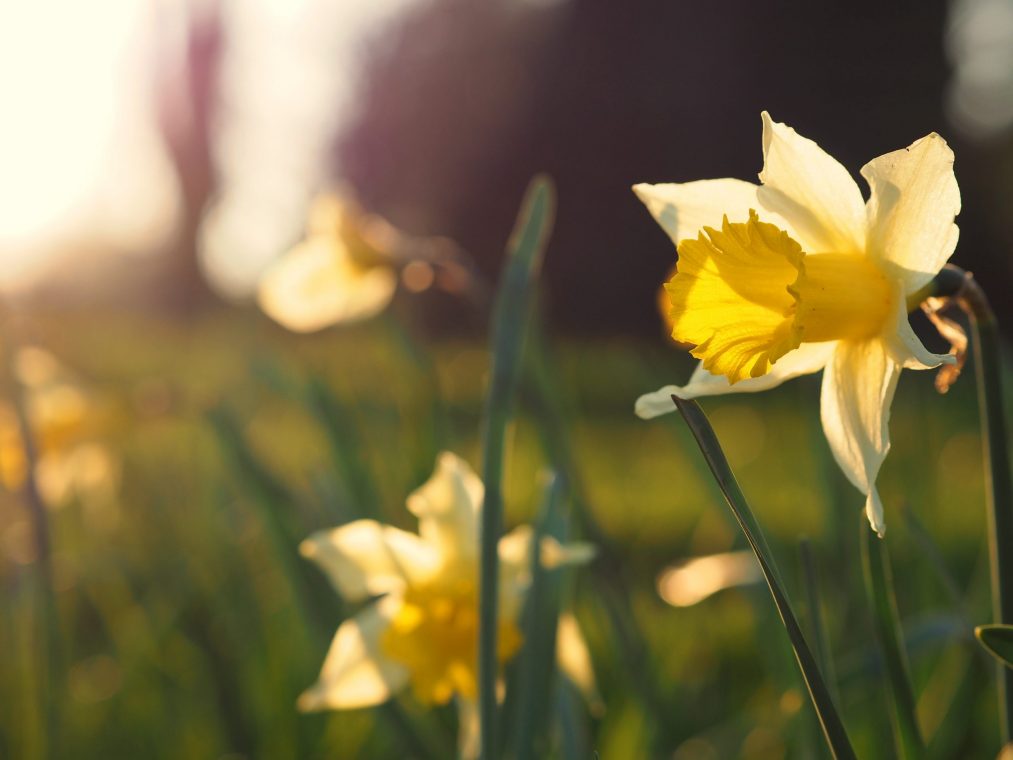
(186, 624)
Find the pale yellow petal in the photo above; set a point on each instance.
(911, 210)
(515, 563)
(804, 360)
(905, 348)
(684, 209)
(365, 558)
(317, 284)
(355, 672)
(809, 188)
(447, 506)
(515, 548)
(858, 388)
(696, 579)
(554, 554)
(469, 729)
(574, 660)
(515, 570)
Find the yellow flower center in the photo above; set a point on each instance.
(747, 294)
(435, 636)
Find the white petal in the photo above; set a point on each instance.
(316, 285)
(807, 358)
(911, 210)
(858, 387)
(574, 660)
(448, 505)
(365, 558)
(355, 672)
(515, 570)
(684, 209)
(904, 346)
(810, 189)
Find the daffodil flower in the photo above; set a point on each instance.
(423, 630)
(66, 423)
(342, 272)
(799, 274)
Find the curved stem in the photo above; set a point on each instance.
(963, 288)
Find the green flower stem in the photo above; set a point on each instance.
(510, 312)
(547, 404)
(537, 662)
(879, 586)
(998, 490)
(954, 282)
(45, 632)
(826, 711)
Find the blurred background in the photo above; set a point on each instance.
(157, 156)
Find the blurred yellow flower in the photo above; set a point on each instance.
(65, 423)
(423, 631)
(799, 274)
(344, 271)
(696, 579)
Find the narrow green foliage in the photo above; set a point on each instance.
(536, 664)
(954, 283)
(830, 721)
(45, 669)
(513, 301)
(998, 640)
(999, 491)
(820, 636)
(347, 453)
(548, 406)
(886, 621)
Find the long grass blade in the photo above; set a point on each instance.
(348, 453)
(536, 666)
(879, 586)
(548, 406)
(524, 256)
(830, 721)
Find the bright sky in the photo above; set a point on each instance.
(80, 158)
(287, 83)
(83, 167)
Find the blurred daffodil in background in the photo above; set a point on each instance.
(348, 268)
(344, 271)
(422, 632)
(799, 274)
(66, 424)
(698, 578)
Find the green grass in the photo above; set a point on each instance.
(187, 624)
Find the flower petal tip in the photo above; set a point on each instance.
(308, 548)
(874, 511)
(652, 405)
(309, 701)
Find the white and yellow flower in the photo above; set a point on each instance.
(67, 424)
(423, 630)
(344, 271)
(799, 274)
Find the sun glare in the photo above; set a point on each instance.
(81, 161)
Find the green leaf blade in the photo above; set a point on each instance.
(826, 711)
(998, 641)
